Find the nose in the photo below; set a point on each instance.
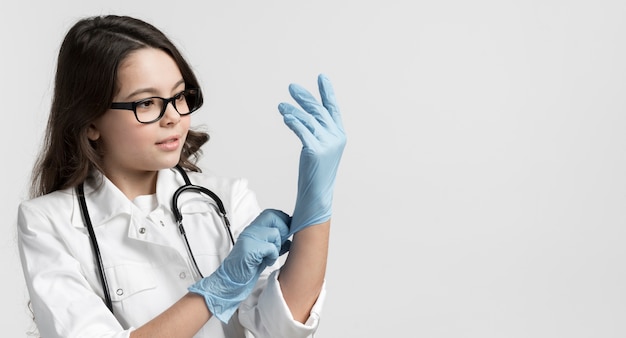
(170, 116)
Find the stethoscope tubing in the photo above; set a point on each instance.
(179, 222)
(179, 216)
(94, 245)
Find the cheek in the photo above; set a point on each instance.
(185, 123)
(116, 124)
(124, 136)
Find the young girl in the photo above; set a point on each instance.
(125, 237)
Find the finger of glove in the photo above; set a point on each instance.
(276, 219)
(310, 104)
(264, 255)
(262, 234)
(327, 93)
(299, 124)
(266, 227)
(279, 220)
(250, 256)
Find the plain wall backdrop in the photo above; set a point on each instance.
(482, 192)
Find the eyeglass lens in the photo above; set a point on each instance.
(153, 108)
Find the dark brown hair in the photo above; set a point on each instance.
(85, 84)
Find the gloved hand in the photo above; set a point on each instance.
(257, 247)
(320, 129)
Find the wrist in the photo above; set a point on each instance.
(221, 294)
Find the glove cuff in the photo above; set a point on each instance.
(221, 295)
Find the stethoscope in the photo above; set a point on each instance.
(179, 222)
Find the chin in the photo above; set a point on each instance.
(166, 163)
(171, 164)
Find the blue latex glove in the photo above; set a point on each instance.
(320, 129)
(257, 247)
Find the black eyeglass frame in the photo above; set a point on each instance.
(133, 105)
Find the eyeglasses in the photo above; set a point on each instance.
(153, 108)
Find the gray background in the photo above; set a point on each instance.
(482, 190)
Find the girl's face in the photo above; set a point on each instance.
(131, 148)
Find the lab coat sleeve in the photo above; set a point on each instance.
(64, 304)
(266, 313)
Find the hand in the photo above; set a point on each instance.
(320, 130)
(257, 247)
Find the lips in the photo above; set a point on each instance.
(169, 140)
(170, 143)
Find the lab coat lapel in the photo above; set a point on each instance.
(105, 200)
(167, 182)
(106, 204)
(159, 226)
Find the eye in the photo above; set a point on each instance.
(145, 104)
(180, 96)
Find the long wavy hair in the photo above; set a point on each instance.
(85, 84)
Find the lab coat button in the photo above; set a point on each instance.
(182, 275)
(142, 230)
(162, 224)
(119, 292)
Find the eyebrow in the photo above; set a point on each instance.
(152, 90)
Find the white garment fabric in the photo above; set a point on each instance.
(146, 262)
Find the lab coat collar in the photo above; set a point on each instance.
(168, 181)
(105, 200)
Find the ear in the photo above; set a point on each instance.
(92, 133)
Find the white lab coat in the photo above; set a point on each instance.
(146, 262)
